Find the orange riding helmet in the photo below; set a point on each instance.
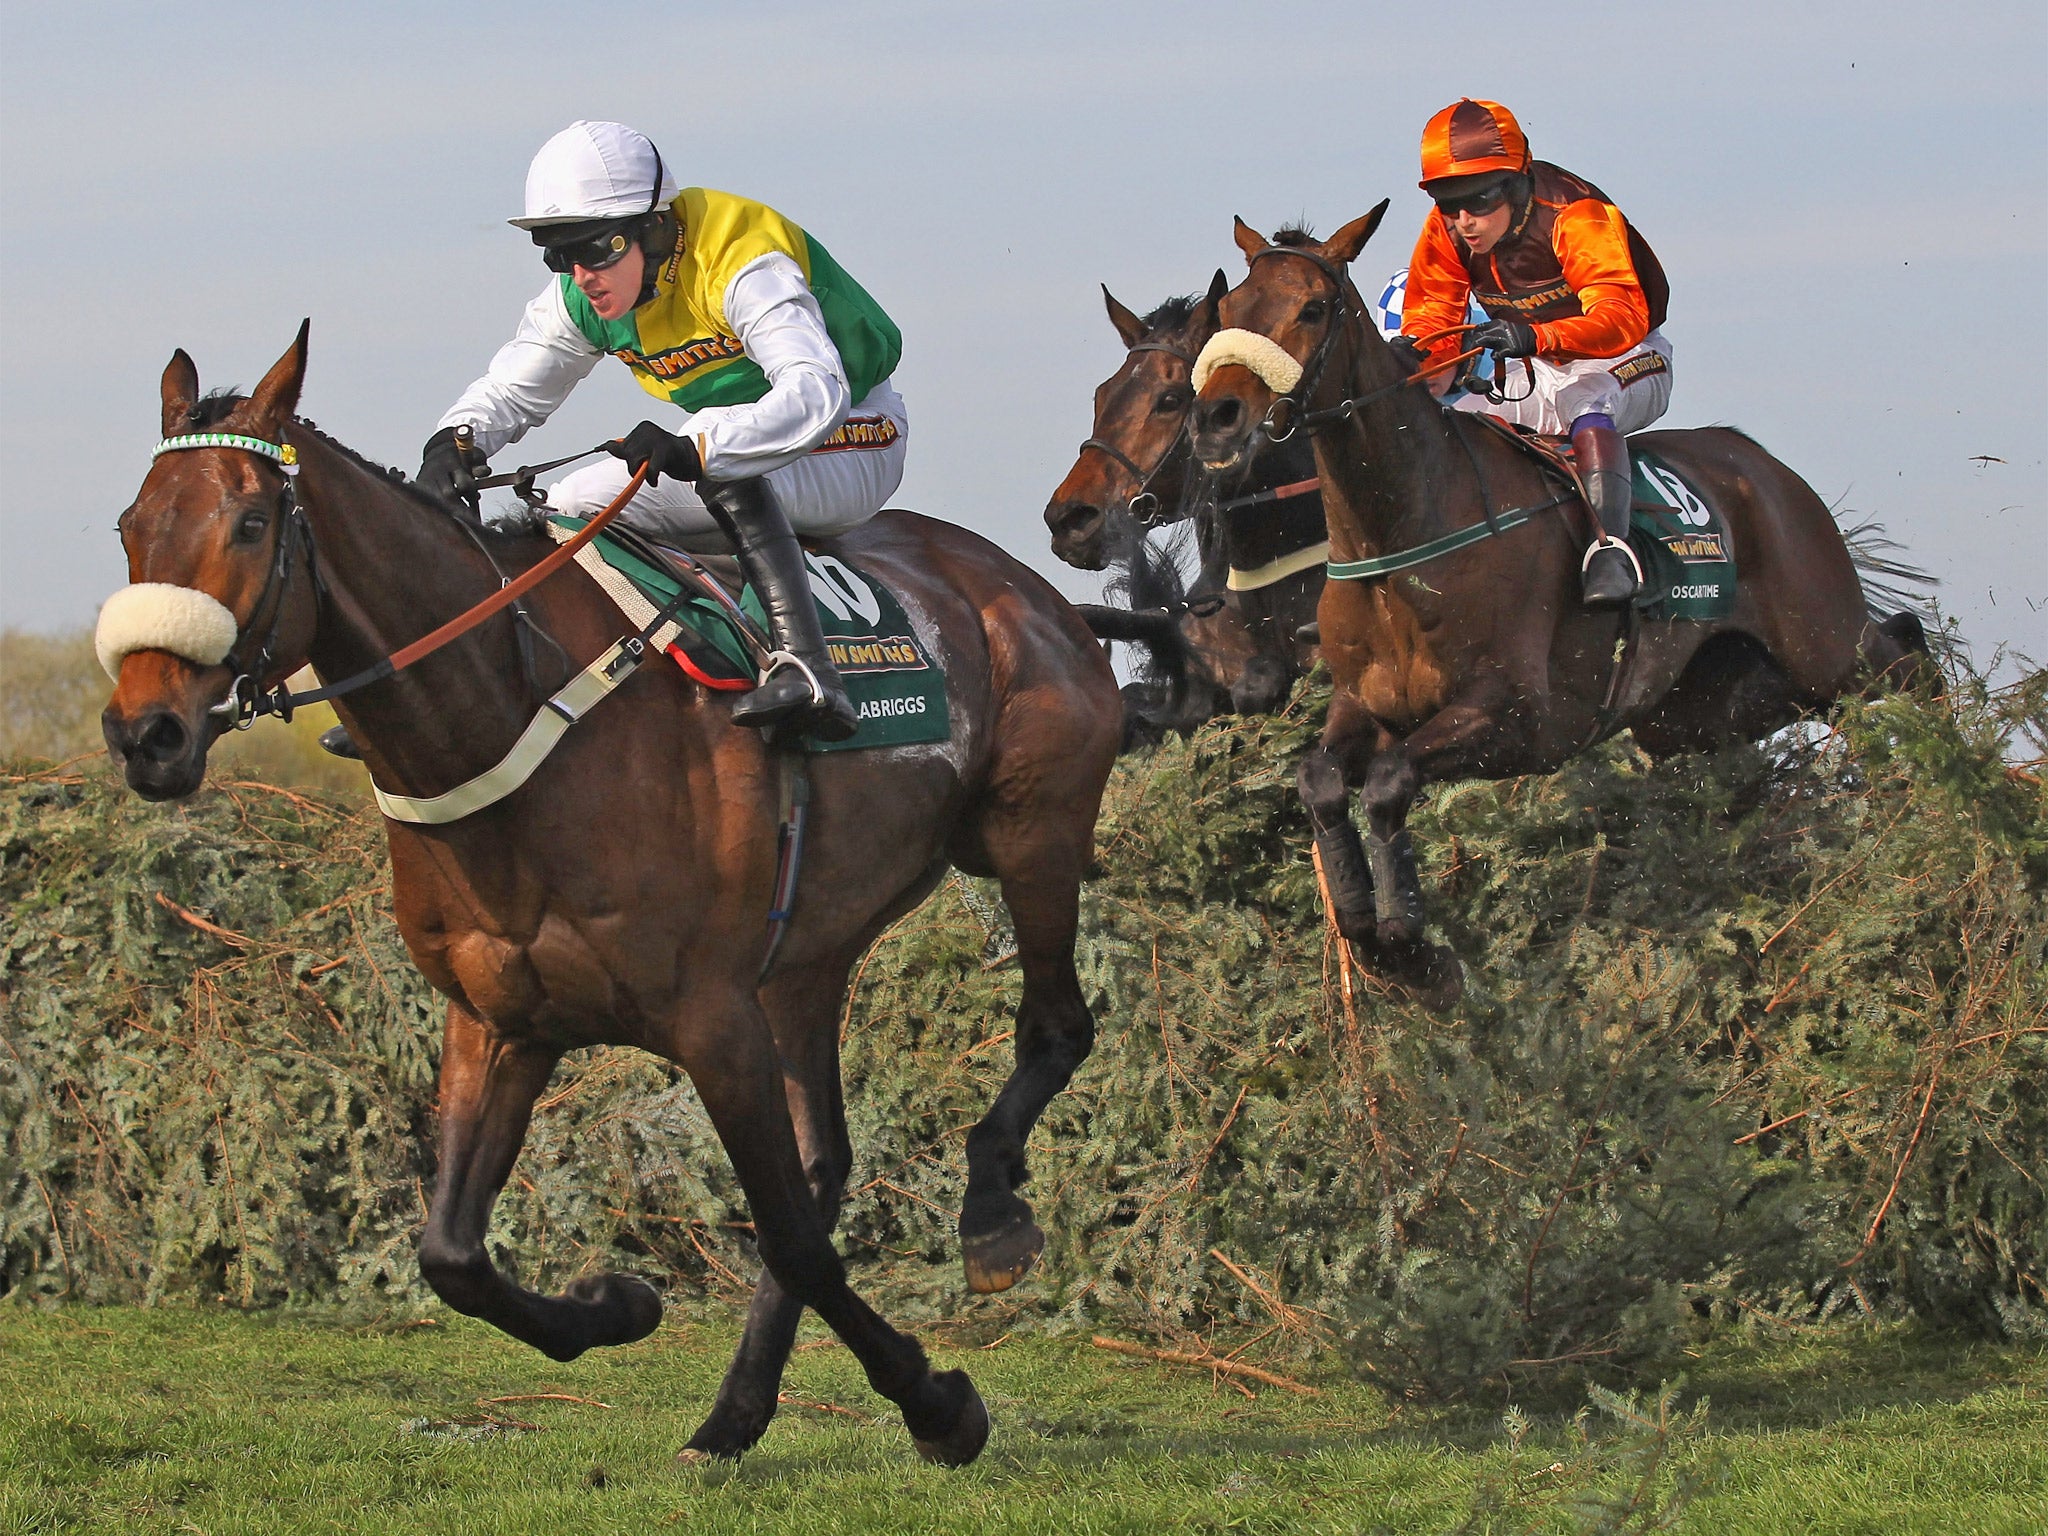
(1471, 138)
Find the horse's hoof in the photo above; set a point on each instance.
(1435, 978)
(627, 1308)
(1398, 933)
(1000, 1260)
(963, 1442)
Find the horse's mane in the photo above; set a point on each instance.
(1294, 234)
(1172, 314)
(217, 405)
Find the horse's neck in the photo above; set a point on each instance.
(391, 570)
(1386, 469)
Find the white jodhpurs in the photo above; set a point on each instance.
(1633, 389)
(829, 491)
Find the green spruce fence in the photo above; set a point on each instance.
(1763, 1034)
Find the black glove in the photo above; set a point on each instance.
(446, 472)
(1505, 338)
(1410, 356)
(662, 452)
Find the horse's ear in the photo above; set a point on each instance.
(1128, 325)
(181, 391)
(1218, 286)
(278, 395)
(1249, 240)
(1350, 240)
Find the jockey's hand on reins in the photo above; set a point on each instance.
(660, 452)
(1408, 353)
(1509, 338)
(448, 467)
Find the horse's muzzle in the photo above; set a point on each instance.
(1221, 431)
(159, 755)
(1077, 533)
(157, 726)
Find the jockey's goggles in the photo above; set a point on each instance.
(1479, 201)
(592, 250)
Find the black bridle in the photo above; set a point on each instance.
(1143, 504)
(1280, 424)
(246, 700)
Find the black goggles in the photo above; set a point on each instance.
(1478, 203)
(593, 253)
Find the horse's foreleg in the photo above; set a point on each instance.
(488, 1086)
(1319, 778)
(804, 1012)
(1463, 739)
(733, 1062)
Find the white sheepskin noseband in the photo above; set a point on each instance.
(1248, 349)
(157, 616)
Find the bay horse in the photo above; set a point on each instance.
(1483, 663)
(620, 896)
(1218, 648)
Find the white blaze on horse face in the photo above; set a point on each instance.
(1273, 363)
(160, 616)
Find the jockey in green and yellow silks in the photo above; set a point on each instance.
(778, 360)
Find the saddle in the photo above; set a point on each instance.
(1679, 537)
(713, 628)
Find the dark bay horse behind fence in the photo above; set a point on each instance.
(620, 897)
(1225, 644)
(1483, 663)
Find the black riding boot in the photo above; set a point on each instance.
(806, 692)
(336, 741)
(1610, 575)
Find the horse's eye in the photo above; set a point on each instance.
(1173, 401)
(251, 527)
(1313, 311)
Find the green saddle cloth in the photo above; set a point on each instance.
(898, 689)
(1682, 542)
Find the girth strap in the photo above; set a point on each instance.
(1422, 554)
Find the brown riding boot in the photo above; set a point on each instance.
(1610, 576)
(802, 688)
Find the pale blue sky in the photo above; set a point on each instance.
(1852, 205)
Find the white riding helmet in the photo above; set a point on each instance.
(594, 171)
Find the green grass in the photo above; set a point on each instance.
(217, 1422)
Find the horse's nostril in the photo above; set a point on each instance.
(1213, 417)
(162, 739)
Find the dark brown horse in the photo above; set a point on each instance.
(619, 897)
(1483, 663)
(1224, 645)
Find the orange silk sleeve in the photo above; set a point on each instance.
(1438, 288)
(1591, 241)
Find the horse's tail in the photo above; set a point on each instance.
(1897, 596)
(1148, 597)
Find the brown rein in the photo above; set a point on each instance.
(281, 701)
(519, 586)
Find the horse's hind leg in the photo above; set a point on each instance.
(488, 1086)
(732, 1060)
(803, 1011)
(1037, 835)
(1894, 652)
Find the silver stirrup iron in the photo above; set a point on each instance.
(775, 659)
(1628, 549)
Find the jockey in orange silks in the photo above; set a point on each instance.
(1567, 283)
